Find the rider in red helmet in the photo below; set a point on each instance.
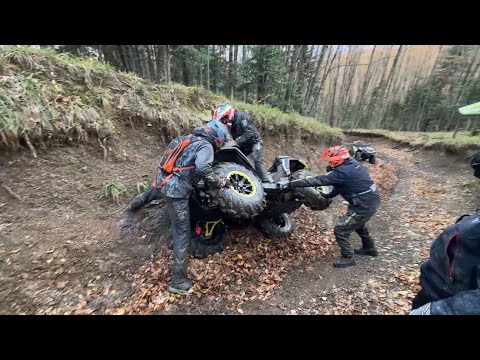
(351, 180)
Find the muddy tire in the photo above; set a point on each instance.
(276, 227)
(311, 196)
(246, 198)
(358, 156)
(372, 159)
(203, 243)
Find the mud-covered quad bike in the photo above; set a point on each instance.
(362, 152)
(249, 201)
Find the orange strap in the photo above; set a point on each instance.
(164, 181)
(184, 168)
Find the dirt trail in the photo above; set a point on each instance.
(62, 252)
(429, 196)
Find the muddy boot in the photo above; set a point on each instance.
(366, 251)
(344, 262)
(143, 199)
(368, 245)
(368, 248)
(257, 154)
(137, 202)
(180, 283)
(262, 172)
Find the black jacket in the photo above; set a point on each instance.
(450, 278)
(351, 180)
(244, 131)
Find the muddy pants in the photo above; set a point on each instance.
(257, 153)
(179, 212)
(350, 222)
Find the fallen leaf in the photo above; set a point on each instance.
(120, 311)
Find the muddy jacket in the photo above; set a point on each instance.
(200, 154)
(450, 278)
(244, 131)
(352, 181)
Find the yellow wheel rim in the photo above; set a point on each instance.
(242, 183)
(209, 226)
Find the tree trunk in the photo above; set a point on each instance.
(110, 55)
(215, 70)
(143, 62)
(421, 108)
(244, 59)
(366, 82)
(230, 70)
(160, 58)
(349, 86)
(167, 64)
(135, 63)
(315, 77)
(201, 66)
(331, 117)
(461, 92)
(327, 67)
(208, 68)
(186, 72)
(151, 64)
(391, 75)
(235, 70)
(291, 74)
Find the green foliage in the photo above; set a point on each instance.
(142, 186)
(114, 189)
(266, 68)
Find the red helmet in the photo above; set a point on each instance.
(335, 155)
(223, 113)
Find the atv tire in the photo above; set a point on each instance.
(202, 245)
(246, 198)
(277, 226)
(310, 196)
(372, 159)
(358, 156)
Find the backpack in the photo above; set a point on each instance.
(167, 162)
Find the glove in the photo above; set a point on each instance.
(225, 183)
(422, 310)
(329, 168)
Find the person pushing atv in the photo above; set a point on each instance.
(187, 159)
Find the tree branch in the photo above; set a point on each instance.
(386, 57)
(11, 192)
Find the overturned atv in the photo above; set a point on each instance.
(249, 200)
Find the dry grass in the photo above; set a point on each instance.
(438, 140)
(45, 96)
